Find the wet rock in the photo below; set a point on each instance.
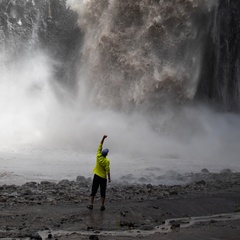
(128, 177)
(80, 179)
(123, 213)
(126, 224)
(212, 221)
(93, 237)
(201, 182)
(46, 183)
(237, 208)
(89, 227)
(226, 171)
(50, 236)
(26, 192)
(204, 170)
(30, 184)
(3, 199)
(142, 180)
(149, 186)
(64, 182)
(174, 192)
(146, 228)
(35, 236)
(26, 234)
(175, 224)
(165, 193)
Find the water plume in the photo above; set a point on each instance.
(141, 52)
(129, 70)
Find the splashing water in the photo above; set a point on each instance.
(141, 52)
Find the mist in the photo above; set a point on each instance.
(49, 130)
(41, 131)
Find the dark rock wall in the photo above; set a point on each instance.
(220, 80)
(50, 25)
(47, 25)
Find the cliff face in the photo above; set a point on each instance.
(139, 53)
(220, 80)
(47, 25)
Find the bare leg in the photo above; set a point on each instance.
(90, 206)
(91, 200)
(102, 200)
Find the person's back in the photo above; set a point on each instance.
(101, 172)
(102, 167)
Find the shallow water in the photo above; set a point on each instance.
(165, 228)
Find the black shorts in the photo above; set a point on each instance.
(103, 185)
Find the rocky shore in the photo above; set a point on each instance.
(57, 210)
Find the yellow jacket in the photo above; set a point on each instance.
(102, 167)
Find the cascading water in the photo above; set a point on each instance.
(72, 71)
(141, 51)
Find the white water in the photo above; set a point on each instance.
(46, 132)
(44, 138)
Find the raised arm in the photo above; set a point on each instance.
(99, 151)
(108, 171)
(103, 138)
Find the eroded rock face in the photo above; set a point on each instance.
(26, 25)
(49, 25)
(219, 81)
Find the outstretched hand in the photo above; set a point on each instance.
(103, 138)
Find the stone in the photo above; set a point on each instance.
(147, 228)
(80, 179)
(226, 171)
(204, 170)
(149, 186)
(126, 224)
(93, 237)
(237, 209)
(175, 224)
(201, 182)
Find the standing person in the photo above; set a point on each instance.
(101, 172)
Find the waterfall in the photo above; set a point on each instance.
(142, 53)
(147, 73)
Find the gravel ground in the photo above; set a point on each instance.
(207, 207)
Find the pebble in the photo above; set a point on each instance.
(47, 192)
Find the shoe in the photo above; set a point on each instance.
(102, 208)
(90, 206)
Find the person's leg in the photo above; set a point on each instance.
(95, 186)
(102, 201)
(103, 187)
(91, 199)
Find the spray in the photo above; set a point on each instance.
(138, 69)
